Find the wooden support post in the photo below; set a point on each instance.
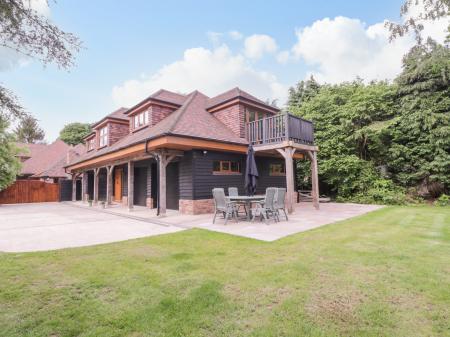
(130, 185)
(109, 170)
(96, 171)
(164, 158)
(74, 186)
(288, 154)
(314, 178)
(84, 187)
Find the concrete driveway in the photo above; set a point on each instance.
(47, 226)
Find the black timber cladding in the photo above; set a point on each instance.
(197, 179)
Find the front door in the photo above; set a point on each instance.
(118, 184)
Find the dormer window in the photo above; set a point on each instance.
(103, 136)
(140, 119)
(91, 144)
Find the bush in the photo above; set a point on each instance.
(443, 200)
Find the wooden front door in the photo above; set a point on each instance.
(118, 184)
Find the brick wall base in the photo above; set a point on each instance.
(149, 202)
(203, 206)
(125, 200)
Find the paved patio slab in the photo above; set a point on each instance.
(304, 218)
(48, 226)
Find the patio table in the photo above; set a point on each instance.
(247, 200)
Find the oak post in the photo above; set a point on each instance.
(96, 171)
(74, 187)
(288, 154)
(314, 179)
(83, 186)
(130, 185)
(109, 170)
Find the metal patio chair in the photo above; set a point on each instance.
(266, 208)
(223, 205)
(280, 203)
(233, 192)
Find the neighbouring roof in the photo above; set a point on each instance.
(29, 150)
(57, 168)
(191, 119)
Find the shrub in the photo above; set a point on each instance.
(443, 200)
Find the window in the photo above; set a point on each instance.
(103, 136)
(277, 169)
(140, 119)
(91, 144)
(226, 167)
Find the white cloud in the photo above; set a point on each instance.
(343, 48)
(235, 35)
(209, 71)
(259, 44)
(283, 56)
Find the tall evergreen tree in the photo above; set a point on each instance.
(303, 92)
(28, 131)
(420, 149)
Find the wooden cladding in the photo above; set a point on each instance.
(26, 191)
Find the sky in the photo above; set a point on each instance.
(133, 48)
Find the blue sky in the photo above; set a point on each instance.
(131, 48)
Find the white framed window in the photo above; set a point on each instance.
(103, 136)
(140, 119)
(91, 144)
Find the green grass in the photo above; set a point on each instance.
(386, 273)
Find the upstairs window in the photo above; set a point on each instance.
(91, 144)
(140, 119)
(103, 136)
(277, 169)
(226, 167)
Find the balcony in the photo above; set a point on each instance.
(280, 129)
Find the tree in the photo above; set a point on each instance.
(28, 130)
(9, 162)
(432, 10)
(29, 33)
(419, 153)
(304, 91)
(74, 133)
(350, 121)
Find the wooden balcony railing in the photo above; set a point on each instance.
(280, 128)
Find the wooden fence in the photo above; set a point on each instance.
(26, 191)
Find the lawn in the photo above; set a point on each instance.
(386, 273)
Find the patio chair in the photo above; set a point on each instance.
(280, 203)
(223, 205)
(233, 192)
(266, 208)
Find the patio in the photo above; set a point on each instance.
(304, 218)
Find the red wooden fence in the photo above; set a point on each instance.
(24, 191)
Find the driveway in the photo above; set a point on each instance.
(47, 226)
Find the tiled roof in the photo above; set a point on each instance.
(45, 158)
(190, 120)
(231, 94)
(29, 150)
(117, 114)
(57, 168)
(164, 96)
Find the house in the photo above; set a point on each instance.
(169, 150)
(46, 161)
